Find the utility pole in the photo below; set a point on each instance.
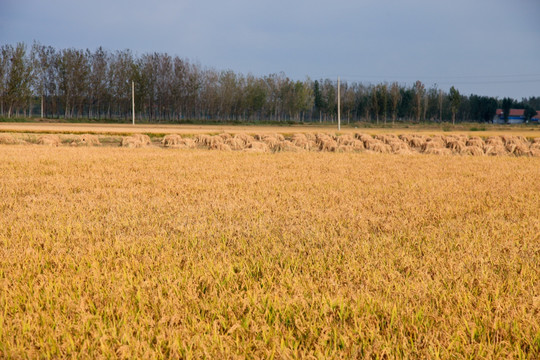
(338, 106)
(133, 101)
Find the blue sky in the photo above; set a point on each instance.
(487, 47)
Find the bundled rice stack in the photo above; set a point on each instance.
(363, 137)
(272, 141)
(328, 145)
(216, 142)
(177, 142)
(86, 140)
(495, 150)
(8, 139)
(378, 146)
(49, 140)
(357, 145)
(404, 151)
(344, 149)
(437, 151)
(287, 145)
(257, 146)
(513, 140)
(90, 140)
(434, 143)
(220, 146)
(398, 146)
(326, 142)
(414, 141)
(535, 147)
(172, 140)
(136, 141)
(211, 142)
(203, 140)
(225, 136)
(516, 145)
(475, 141)
(235, 144)
(455, 144)
(387, 139)
(345, 139)
(301, 141)
(519, 149)
(473, 150)
(494, 141)
(245, 139)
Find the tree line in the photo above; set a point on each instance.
(74, 83)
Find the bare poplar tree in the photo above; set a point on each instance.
(395, 96)
(419, 90)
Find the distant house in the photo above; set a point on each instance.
(516, 116)
(536, 117)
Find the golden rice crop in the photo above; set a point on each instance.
(107, 252)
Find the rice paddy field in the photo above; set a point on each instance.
(184, 248)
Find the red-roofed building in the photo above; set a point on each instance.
(516, 116)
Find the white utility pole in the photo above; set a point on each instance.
(338, 107)
(133, 101)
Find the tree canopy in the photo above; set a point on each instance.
(74, 83)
